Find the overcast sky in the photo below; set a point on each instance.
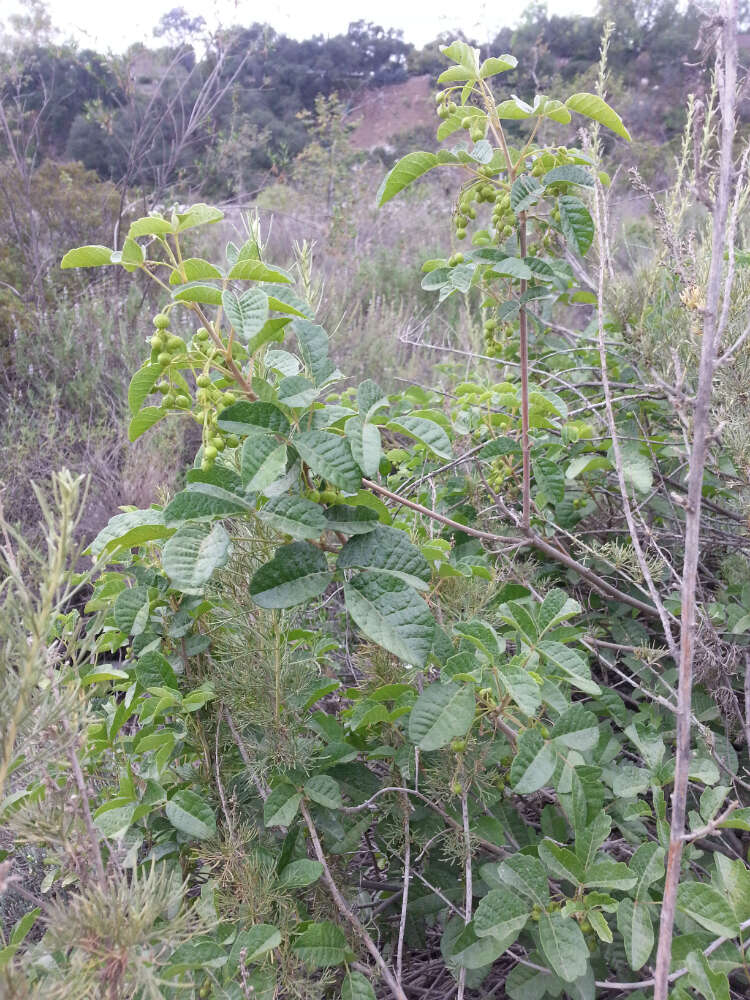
(105, 24)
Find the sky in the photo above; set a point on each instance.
(115, 25)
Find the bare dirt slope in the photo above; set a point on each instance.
(389, 111)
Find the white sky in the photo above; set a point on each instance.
(115, 24)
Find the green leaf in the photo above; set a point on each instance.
(576, 223)
(635, 925)
(194, 269)
(482, 636)
(197, 215)
(297, 573)
(592, 106)
(525, 193)
(206, 294)
(23, 926)
(296, 392)
(569, 173)
(577, 729)
(329, 456)
(586, 463)
(392, 614)
(150, 225)
(322, 945)
(300, 874)
(313, 346)
(131, 610)
(370, 398)
(501, 914)
(648, 865)
(711, 985)
(131, 256)
(364, 439)
(324, 790)
(253, 418)
(636, 467)
(89, 256)
(248, 269)
(191, 814)
(442, 712)
(431, 435)
(609, 875)
(113, 819)
(514, 109)
(571, 663)
(549, 478)
(356, 987)
(204, 505)
(556, 607)
(193, 553)
(590, 838)
(281, 806)
(734, 879)
(247, 312)
(533, 764)
(154, 670)
(707, 907)
(561, 862)
(467, 59)
(564, 946)
(469, 951)
(497, 64)
(263, 461)
(351, 520)
(404, 173)
(141, 385)
(295, 516)
(512, 267)
(144, 421)
(601, 927)
(387, 550)
(256, 942)
(523, 983)
(520, 685)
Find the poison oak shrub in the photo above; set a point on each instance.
(381, 693)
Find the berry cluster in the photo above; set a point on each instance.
(211, 396)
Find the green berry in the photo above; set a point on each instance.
(458, 258)
(204, 381)
(461, 234)
(452, 107)
(175, 343)
(161, 321)
(169, 399)
(183, 402)
(218, 442)
(466, 122)
(202, 333)
(210, 452)
(227, 398)
(232, 441)
(162, 387)
(164, 359)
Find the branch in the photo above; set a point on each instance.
(346, 912)
(715, 319)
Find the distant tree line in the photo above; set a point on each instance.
(250, 84)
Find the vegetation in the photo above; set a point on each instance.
(440, 688)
